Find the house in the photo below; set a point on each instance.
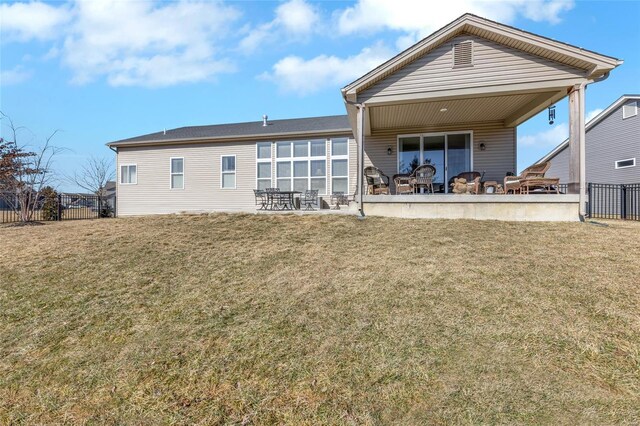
(454, 99)
(612, 143)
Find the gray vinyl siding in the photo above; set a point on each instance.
(202, 192)
(495, 161)
(608, 141)
(493, 65)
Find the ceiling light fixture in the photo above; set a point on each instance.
(443, 110)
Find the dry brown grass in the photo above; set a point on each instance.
(239, 319)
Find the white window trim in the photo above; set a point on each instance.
(339, 157)
(634, 104)
(120, 171)
(264, 160)
(308, 159)
(234, 172)
(625, 167)
(171, 173)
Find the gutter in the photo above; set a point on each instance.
(237, 138)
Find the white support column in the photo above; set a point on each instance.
(577, 157)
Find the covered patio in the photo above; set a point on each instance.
(453, 102)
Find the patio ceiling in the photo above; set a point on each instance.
(508, 109)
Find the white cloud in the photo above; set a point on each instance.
(546, 138)
(142, 43)
(13, 76)
(294, 18)
(28, 21)
(419, 19)
(297, 16)
(592, 114)
(295, 74)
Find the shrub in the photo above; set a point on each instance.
(49, 204)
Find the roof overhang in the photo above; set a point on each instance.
(594, 64)
(240, 138)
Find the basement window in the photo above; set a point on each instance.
(622, 164)
(630, 110)
(463, 54)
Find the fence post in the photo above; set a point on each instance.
(623, 201)
(589, 200)
(59, 216)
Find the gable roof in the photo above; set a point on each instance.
(593, 63)
(327, 125)
(593, 122)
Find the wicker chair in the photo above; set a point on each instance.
(473, 181)
(422, 177)
(377, 182)
(309, 199)
(530, 177)
(402, 182)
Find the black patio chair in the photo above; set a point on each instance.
(262, 199)
(339, 198)
(309, 199)
(274, 199)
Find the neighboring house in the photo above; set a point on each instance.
(612, 146)
(454, 100)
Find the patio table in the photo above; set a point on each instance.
(290, 205)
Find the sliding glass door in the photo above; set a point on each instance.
(449, 153)
(433, 153)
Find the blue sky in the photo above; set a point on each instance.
(105, 70)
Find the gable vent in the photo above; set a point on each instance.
(463, 54)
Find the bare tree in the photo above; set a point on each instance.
(24, 174)
(94, 175)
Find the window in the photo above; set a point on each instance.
(340, 165)
(630, 110)
(177, 173)
(622, 164)
(302, 165)
(228, 172)
(128, 174)
(263, 151)
(463, 54)
(263, 165)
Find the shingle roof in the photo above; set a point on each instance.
(253, 129)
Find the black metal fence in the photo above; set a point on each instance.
(613, 201)
(59, 207)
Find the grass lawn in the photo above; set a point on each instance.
(244, 319)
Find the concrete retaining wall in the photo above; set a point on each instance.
(542, 207)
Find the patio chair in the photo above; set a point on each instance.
(377, 182)
(339, 198)
(473, 181)
(261, 199)
(309, 198)
(422, 178)
(275, 200)
(531, 177)
(403, 183)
